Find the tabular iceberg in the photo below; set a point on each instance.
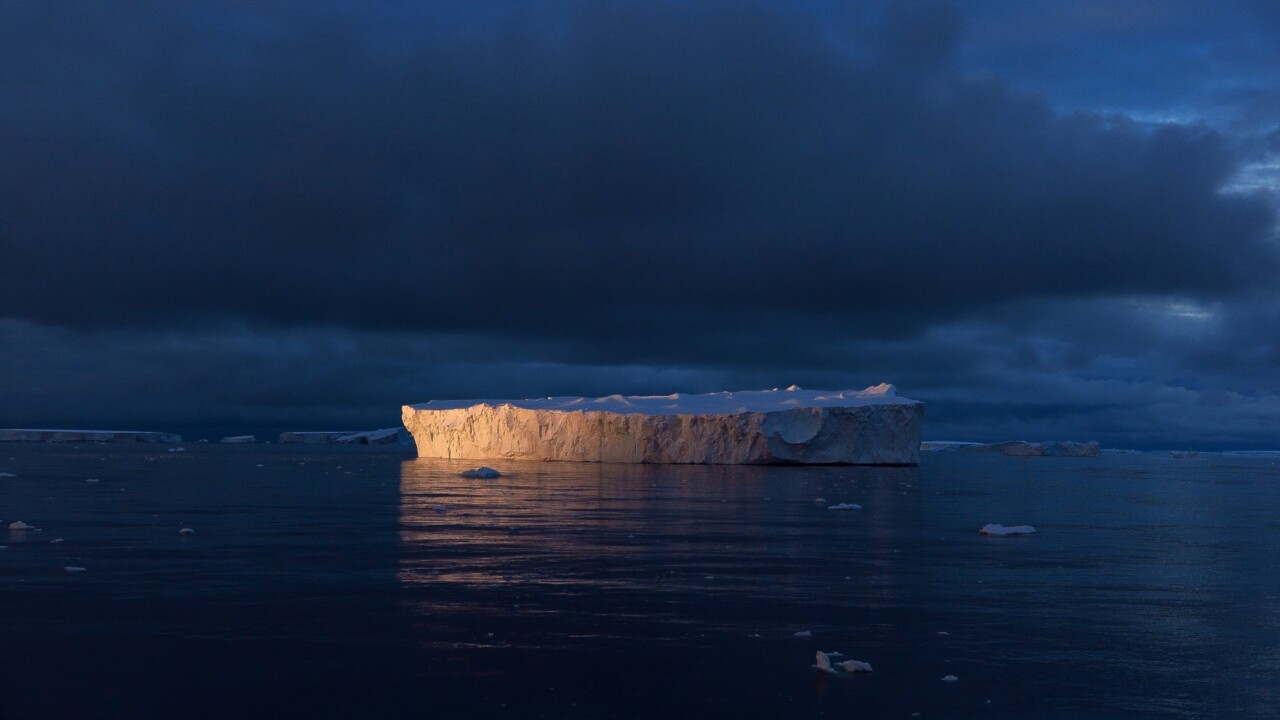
(850, 427)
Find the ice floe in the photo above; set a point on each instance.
(997, 529)
(7, 474)
(845, 506)
(822, 661)
(481, 472)
(73, 568)
(949, 678)
(186, 531)
(19, 525)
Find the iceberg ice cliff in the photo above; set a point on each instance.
(854, 427)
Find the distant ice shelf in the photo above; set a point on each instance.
(1018, 448)
(70, 436)
(793, 426)
(385, 436)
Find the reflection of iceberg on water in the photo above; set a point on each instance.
(793, 426)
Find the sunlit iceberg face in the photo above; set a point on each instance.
(793, 426)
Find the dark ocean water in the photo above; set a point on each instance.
(360, 582)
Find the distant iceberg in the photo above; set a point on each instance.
(74, 436)
(385, 436)
(793, 426)
(998, 529)
(1018, 448)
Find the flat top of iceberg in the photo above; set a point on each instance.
(719, 403)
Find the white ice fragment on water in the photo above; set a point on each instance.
(73, 568)
(56, 541)
(7, 474)
(949, 678)
(820, 501)
(804, 634)
(481, 472)
(19, 525)
(943, 632)
(997, 529)
(822, 661)
(177, 449)
(186, 531)
(845, 506)
(239, 439)
(4, 547)
(91, 479)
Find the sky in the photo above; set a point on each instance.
(1049, 219)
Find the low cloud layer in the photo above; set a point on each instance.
(296, 214)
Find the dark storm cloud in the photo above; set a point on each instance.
(270, 216)
(628, 176)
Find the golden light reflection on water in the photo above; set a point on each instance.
(588, 527)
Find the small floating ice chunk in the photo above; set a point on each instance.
(822, 661)
(186, 531)
(56, 541)
(820, 501)
(177, 449)
(804, 634)
(481, 472)
(19, 525)
(845, 506)
(73, 568)
(91, 479)
(943, 632)
(997, 529)
(7, 474)
(949, 678)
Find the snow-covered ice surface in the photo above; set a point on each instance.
(718, 403)
(862, 427)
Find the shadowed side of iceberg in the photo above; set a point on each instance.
(883, 432)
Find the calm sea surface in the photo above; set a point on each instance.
(361, 582)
